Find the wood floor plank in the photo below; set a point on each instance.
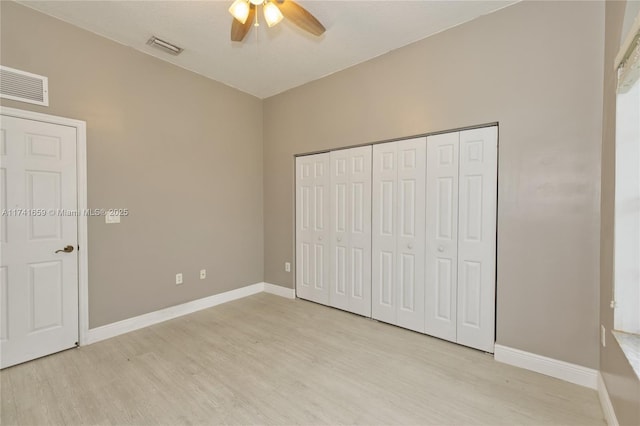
(270, 360)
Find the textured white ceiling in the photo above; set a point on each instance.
(271, 60)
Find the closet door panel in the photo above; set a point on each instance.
(360, 230)
(477, 238)
(410, 248)
(312, 212)
(339, 235)
(384, 232)
(350, 244)
(442, 236)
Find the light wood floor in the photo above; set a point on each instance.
(269, 360)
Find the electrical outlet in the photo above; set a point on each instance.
(178, 279)
(287, 267)
(203, 274)
(603, 333)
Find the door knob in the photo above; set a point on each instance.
(320, 238)
(67, 249)
(409, 246)
(440, 249)
(339, 239)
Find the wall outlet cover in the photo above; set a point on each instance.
(112, 218)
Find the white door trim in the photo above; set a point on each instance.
(81, 155)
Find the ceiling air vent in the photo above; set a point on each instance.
(165, 46)
(23, 86)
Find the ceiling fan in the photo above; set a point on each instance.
(244, 14)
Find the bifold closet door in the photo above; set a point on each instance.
(312, 227)
(461, 237)
(398, 233)
(350, 234)
(478, 182)
(442, 236)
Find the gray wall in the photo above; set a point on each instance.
(622, 384)
(536, 68)
(163, 142)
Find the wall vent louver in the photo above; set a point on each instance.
(23, 86)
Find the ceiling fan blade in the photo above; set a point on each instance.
(301, 17)
(238, 29)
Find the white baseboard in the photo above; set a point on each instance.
(605, 402)
(572, 373)
(278, 290)
(125, 326)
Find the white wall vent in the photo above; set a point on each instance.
(23, 86)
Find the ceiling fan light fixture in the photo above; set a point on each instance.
(272, 14)
(240, 10)
(256, 2)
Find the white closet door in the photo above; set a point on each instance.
(411, 233)
(442, 236)
(477, 238)
(399, 232)
(350, 246)
(312, 227)
(384, 232)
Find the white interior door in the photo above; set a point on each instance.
(39, 305)
(477, 238)
(398, 220)
(442, 236)
(350, 236)
(312, 227)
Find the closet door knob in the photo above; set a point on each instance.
(409, 246)
(440, 249)
(320, 238)
(339, 239)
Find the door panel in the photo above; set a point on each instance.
(385, 228)
(45, 301)
(410, 247)
(360, 232)
(351, 230)
(442, 236)
(43, 192)
(477, 238)
(358, 289)
(312, 188)
(39, 286)
(398, 237)
(340, 229)
(385, 276)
